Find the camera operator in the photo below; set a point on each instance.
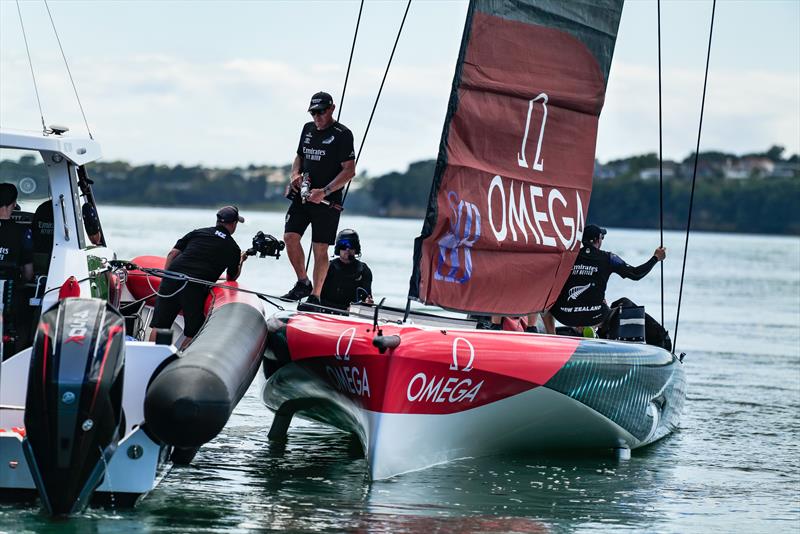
(203, 253)
(349, 279)
(324, 163)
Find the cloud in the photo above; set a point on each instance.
(233, 111)
(746, 110)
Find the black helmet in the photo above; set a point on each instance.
(347, 238)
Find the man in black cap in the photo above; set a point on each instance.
(203, 253)
(16, 266)
(582, 299)
(325, 159)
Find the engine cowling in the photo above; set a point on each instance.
(73, 409)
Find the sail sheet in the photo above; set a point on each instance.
(514, 172)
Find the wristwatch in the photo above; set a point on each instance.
(326, 190)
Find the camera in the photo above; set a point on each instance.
(266, 245)
(305, 189)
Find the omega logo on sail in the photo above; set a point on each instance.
(515, 214)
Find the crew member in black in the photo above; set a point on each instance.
(42, 226)
(203, 253)
(582, 299)
(349, 279)
(16, 266)
(92, 223)
(326, 156)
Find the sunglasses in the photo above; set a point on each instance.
(345, 244)
(315, 112)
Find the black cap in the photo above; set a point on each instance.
(229, 214)
(8, 194)
(321, 100)
(591, 233)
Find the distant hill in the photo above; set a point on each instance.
(754, 193)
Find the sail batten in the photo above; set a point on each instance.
(513, 177)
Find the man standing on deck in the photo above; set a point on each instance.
(582, 299)
(203, 253)
(325, 161)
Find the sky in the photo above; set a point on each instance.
(228, 83)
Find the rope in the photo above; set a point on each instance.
(63, 55)
(30, 62)
(172, 275)
(350, 61)
(378, 97)
(694, 174)
(341, 101)
(374, 106)
(660, 163)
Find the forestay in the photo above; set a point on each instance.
(514, 172)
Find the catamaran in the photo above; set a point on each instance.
(505, 216)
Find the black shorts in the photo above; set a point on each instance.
(324, 221)
(191, 299)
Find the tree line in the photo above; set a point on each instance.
(622, 198)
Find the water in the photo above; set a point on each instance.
(733, 466)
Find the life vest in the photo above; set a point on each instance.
(343, 282)
(581, 302)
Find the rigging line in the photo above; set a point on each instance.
(341, 100)
(660, 162)
(30, 62)
(350, 61)
(378, 97)
(63, 55)
(694, 174)
(374, 106)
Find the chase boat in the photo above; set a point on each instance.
(90, 410)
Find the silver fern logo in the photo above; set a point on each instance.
(576, 291)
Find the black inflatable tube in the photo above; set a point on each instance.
(189, 402)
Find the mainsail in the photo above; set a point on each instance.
(514, 172)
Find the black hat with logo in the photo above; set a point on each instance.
(591, 233)
(229, 214)
(321, 100)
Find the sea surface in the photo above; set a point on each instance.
(734, 466)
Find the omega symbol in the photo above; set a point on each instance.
(538, 163)
(454, 366)
(350, 334)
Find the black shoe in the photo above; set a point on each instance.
(531, 330)
(299, 291)
(311, 304)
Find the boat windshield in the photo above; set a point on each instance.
(26, 170)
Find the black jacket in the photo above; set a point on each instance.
(582, 299)
(346, 283)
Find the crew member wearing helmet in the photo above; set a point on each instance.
(204, 253)
(349, 279)
(324, 164)
(582, 300)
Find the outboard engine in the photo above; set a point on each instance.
(73, 409)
